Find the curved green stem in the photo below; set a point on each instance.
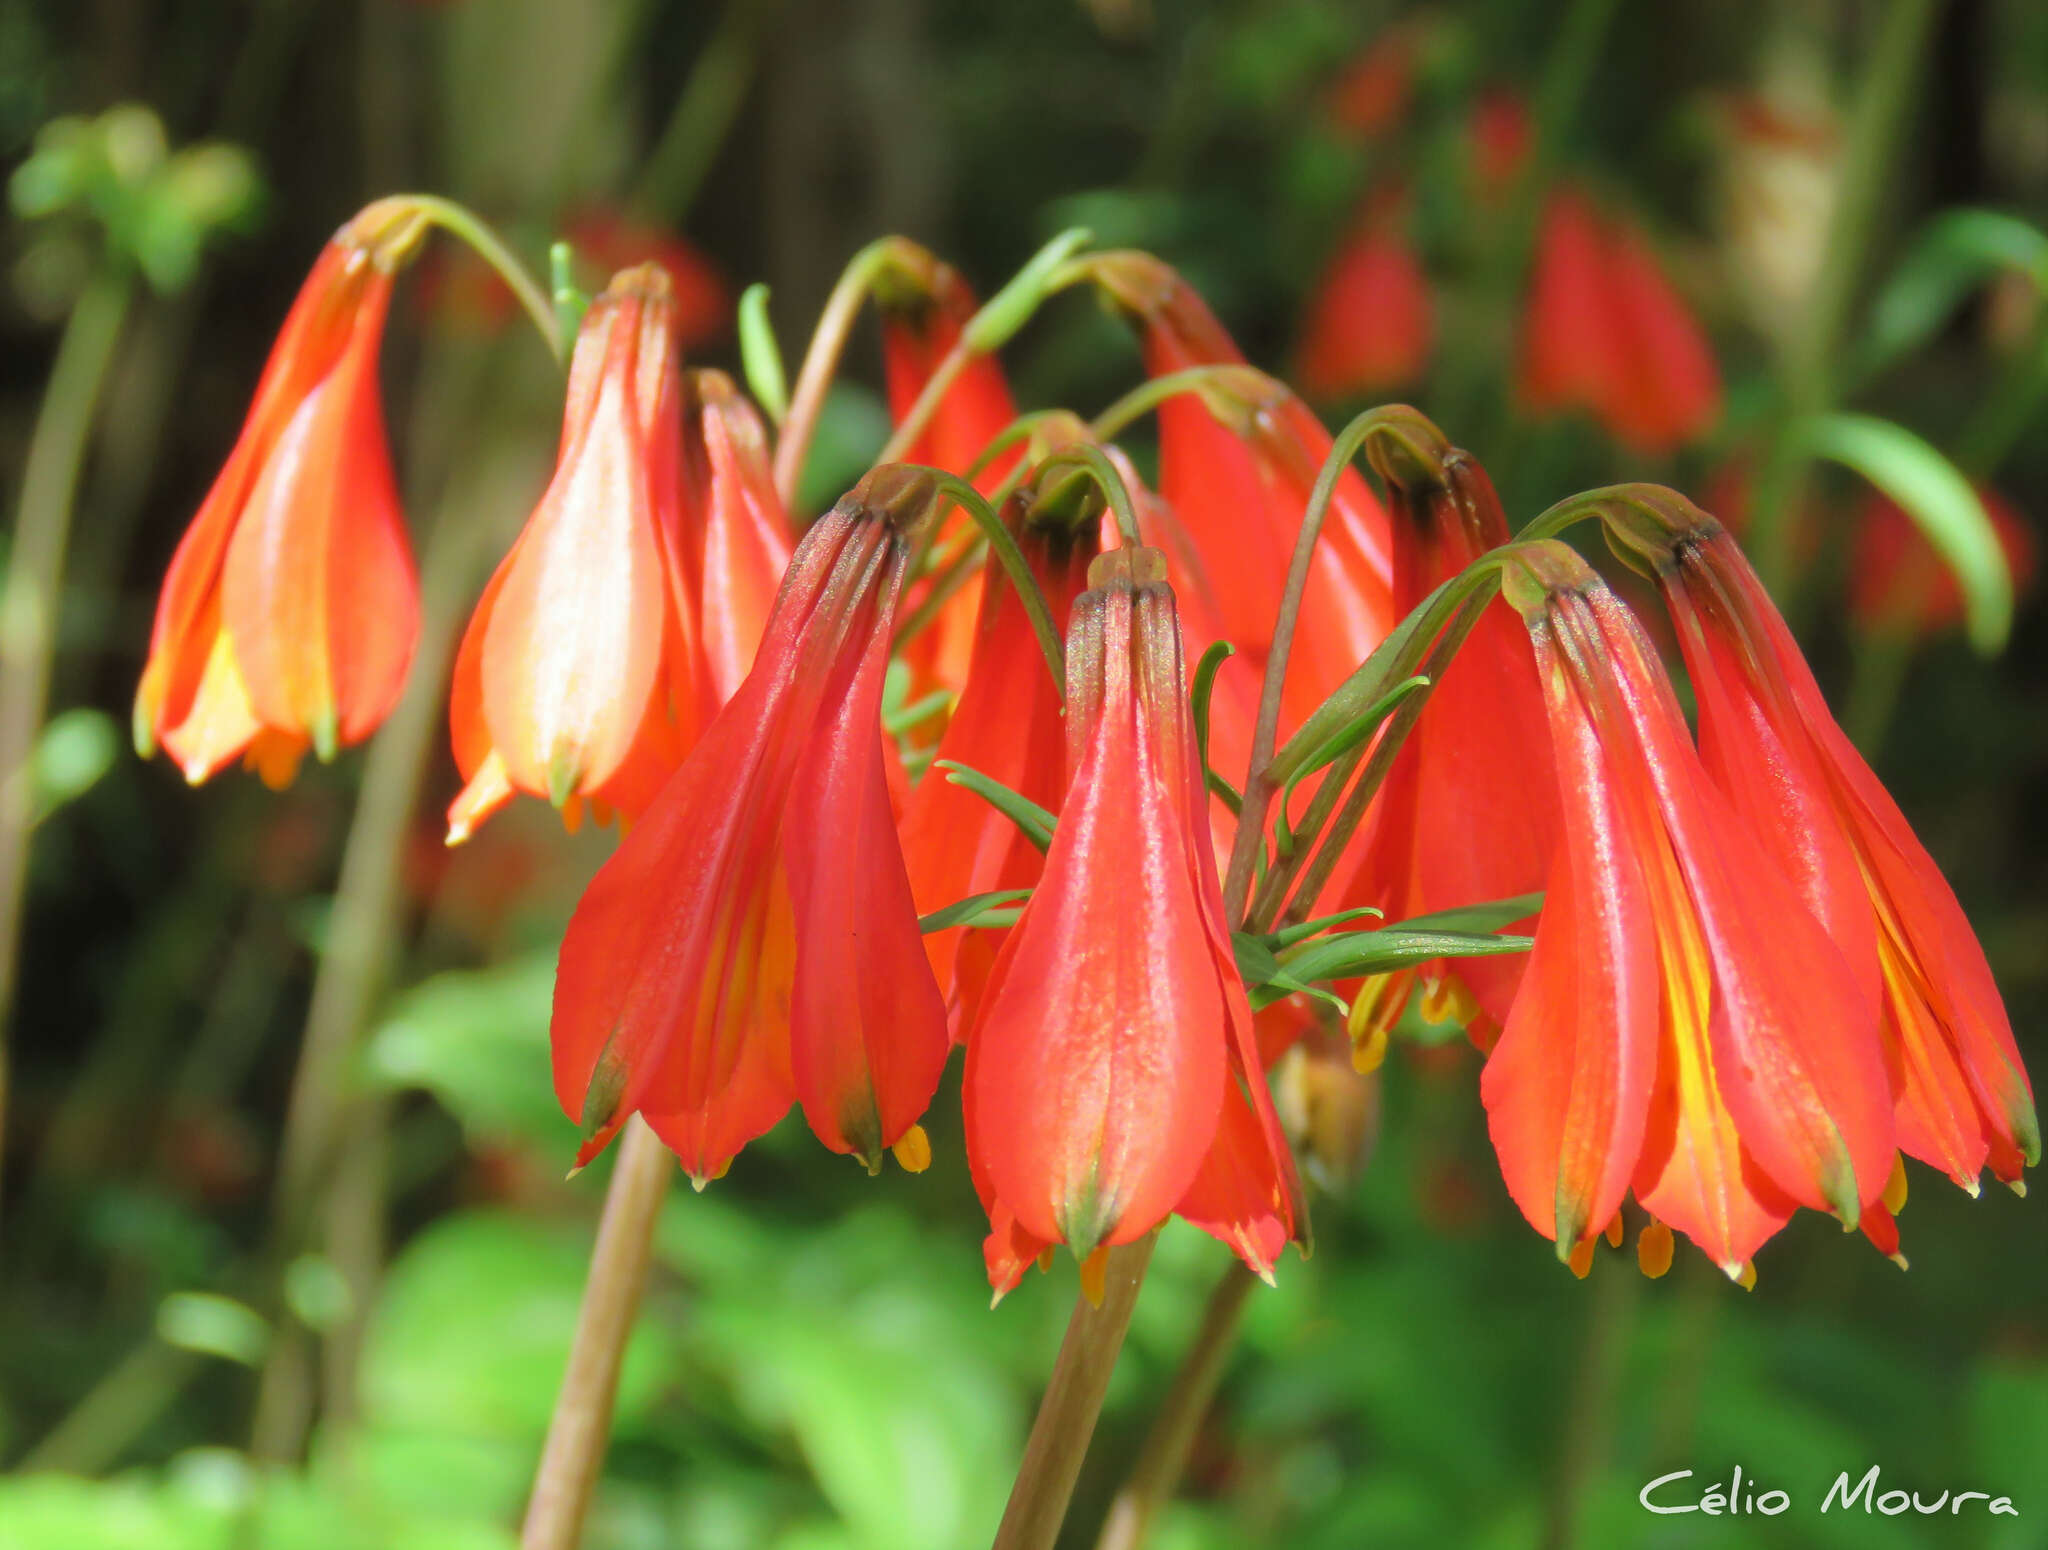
(1004, 546)
(1093, 463)
(1246, 382)
(1406, 429)
(821, 363)
(30, 603)
(460, 221)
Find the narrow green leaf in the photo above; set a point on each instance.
(1493, 915)
(977, 909)
(902, 719)
(1034, 821)
(761, 355)
(1352, 954)
(1954, 253)
(1290, 935)
(1934, 493)
(1341, 742)
(1219, 652)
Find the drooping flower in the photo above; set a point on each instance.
(1369, 320)
(1898, 584)
(925, 305)
(291, 608)
(1112, 1074)
(627, 610)
(1686, 1030)
(1009, 726)
(1963, 1101)
(752, 942)
(1606, 332)
(1464, 815)
(1238, 489)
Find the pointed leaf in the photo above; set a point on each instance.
(1034, 821)
(1934, 493)
(977, 909)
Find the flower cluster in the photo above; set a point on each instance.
(1749, 988)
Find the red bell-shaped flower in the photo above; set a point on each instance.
(1238, 488)
(1009, 726)
(1686, 1029)
(291, 608)
(1607, 333)
(1465, 815)
(752, 942)
(1112, 1073)
(1369, 321)
(627, 610)
(1963, 1098)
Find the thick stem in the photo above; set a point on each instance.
(1073, 1399)
(1164, 1457)
(31, 603)
(1868, 170)
(573, 1456)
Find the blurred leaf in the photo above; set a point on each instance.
(924, 1462)
(75, 748)
(2008, 1443)
(1934, 493)
(57, 1512)
(1954, 254)
(317, 1292)
(477, 1039)
(213, 1326)
(852, 426)
(473, 1329)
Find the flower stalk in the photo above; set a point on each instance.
(1164, 1457)
(573, 1455)
(1072, 1403)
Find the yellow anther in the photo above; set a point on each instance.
(1654, 1248)
(1614, 1232)
(1582, 1258)
(1895, 1186)
(913, 1150)
(1745, 1275)
(1094, 1270)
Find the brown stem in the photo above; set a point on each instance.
(573, 1456)
(1164, 1458)
(1073, 1399)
